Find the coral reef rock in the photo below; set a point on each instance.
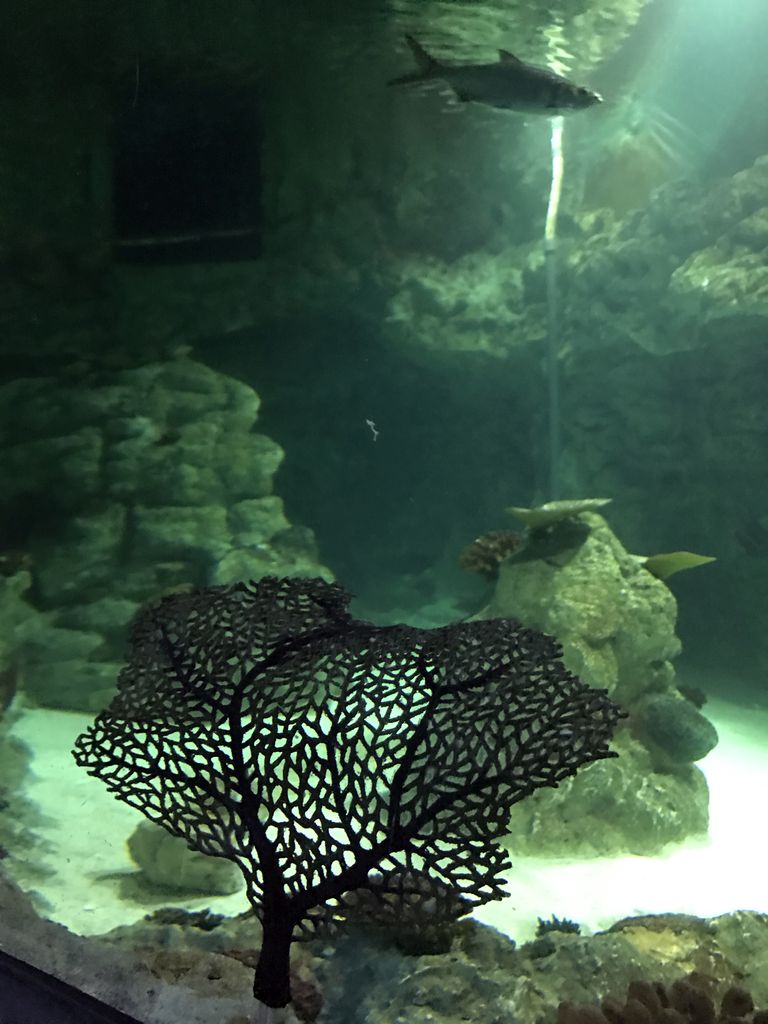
(123, 486)
(616, 623)
(662, 259)
(626, 805)
(16, 617)
(174, 965)
(167, 862)
(18, 815)
(485, 978)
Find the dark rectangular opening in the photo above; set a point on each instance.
(187, 168)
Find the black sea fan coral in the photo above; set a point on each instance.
(324, 755)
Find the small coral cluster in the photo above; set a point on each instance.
(486, 552)
(687, 1001)
(557, 924)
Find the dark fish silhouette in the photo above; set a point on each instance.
(509, 84)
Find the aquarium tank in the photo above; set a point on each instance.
(384, 512)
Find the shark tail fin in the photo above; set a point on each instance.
(427, 66)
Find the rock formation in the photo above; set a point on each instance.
(121, 486)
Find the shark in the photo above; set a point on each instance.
(507, 84)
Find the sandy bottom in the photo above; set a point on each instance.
(92, 885)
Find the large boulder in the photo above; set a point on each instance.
(616, 623)
(168, 863)
(615, 620)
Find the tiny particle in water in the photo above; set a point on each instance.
(372, 426)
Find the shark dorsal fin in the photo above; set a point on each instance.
(508, 58)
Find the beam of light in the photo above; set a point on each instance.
(556, 187)
(553, 306)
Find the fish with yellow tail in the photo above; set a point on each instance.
(508, 84)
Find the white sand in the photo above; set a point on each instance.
(84, 835)
(716, 874)
(86, 829)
